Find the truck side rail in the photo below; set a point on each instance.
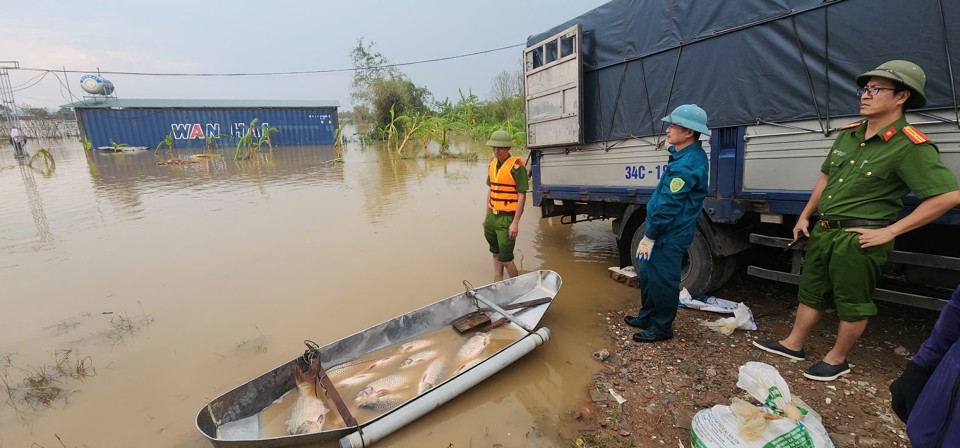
(887, 295)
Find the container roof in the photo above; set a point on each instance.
(200, 104)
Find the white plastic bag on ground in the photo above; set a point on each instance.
(781, 422)
(707, 303)
(742, 319)
(742, 316)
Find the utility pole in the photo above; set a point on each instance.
(8, 105)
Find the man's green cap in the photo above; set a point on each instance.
(906, 73)
(500, 139)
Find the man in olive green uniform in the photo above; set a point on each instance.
(508, 181)
(873, 164)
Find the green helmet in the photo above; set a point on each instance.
(689, 116)
(500, 139)
(903, 72)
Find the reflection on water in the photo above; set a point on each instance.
(236, 263)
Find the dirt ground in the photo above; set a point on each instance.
(666, 383)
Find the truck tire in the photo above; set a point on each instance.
(698, 271)
(726, 266)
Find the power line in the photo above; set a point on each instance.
(24, 86)
(28, 81)
(305, 72)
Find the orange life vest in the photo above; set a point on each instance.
(503, 188)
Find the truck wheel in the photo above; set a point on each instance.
(724, 269)
(697, 271)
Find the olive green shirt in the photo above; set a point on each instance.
(868, 179)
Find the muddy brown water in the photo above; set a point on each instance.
(162, 287)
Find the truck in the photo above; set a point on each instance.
(777, 79)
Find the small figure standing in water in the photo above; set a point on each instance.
(508, 181)
(18, 140)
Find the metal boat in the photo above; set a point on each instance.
(234, 419)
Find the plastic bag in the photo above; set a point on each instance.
(742, 319)
(707, 303)
(782, 420)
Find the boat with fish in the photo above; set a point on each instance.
(361, 388)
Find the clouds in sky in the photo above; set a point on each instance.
(240, 36)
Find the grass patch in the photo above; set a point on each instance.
(40, 388)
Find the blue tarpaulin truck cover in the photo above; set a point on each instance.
(744, 60)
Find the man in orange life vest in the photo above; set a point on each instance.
(508, 181)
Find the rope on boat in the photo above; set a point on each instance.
(311, 357)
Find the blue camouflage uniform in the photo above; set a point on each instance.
(671, 222)
(929, 389)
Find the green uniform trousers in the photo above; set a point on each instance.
(837, 271)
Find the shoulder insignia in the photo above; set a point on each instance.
(851, 125)
(914, 135)
(676, 184)
(889, 133)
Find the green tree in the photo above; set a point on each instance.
(369, 67)
(399, 94)
(36, 112)
(66, 113)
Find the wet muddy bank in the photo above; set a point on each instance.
(665, 384)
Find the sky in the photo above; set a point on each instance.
(214, 36)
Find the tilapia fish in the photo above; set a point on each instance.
(414, 345)
(431, 376)
(418, 358)
(383, 386)
(308, 411)
(382, 403)
(474, 346)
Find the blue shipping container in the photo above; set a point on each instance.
(148, 122)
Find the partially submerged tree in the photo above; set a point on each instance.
(369, 66)
(379, 87)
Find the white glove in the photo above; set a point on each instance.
(644, 249)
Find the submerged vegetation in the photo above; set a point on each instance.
(251, 144)
(28, 389)
(47, 165)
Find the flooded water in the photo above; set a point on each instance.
(132, 294)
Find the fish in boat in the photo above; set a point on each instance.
(474, 346)
(308, 411)
(361, 377)
(468, 365)
(389, 383)
(382, 402)
(418, 358)
(431, 376)
(414, 345)
(234, 419)
(340, 370)
(385, 361)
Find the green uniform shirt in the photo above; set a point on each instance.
(868, 179)
(519, 176)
